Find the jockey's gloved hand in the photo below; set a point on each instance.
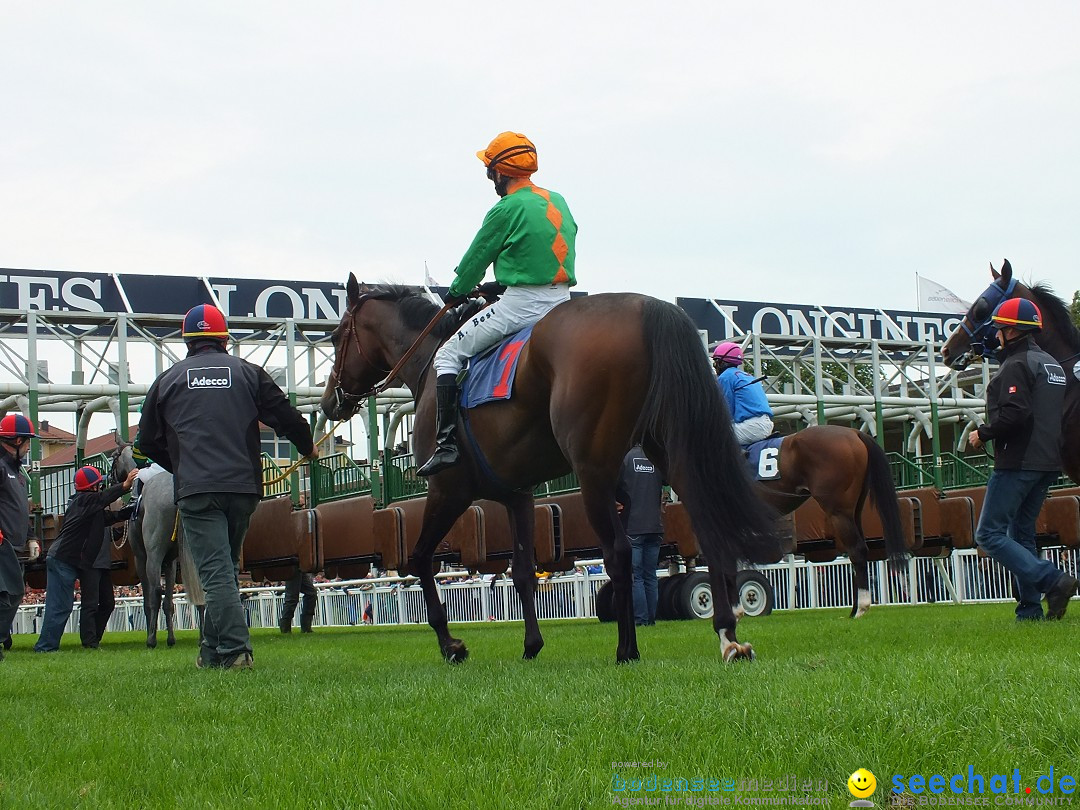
(452, 300)
(491, 290)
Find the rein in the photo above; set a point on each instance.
(342, 396)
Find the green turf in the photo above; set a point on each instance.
(372, 717)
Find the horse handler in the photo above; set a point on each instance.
(15, 434)
(74, 551)
(200, 421)
(1024, 402)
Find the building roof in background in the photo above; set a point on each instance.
(51, 433)
(100, 444)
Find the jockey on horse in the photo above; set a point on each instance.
(529, 236)
(751, 415)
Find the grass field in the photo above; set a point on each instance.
(371, 717)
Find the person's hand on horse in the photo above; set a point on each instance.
(975, 441)
(452, 300)
(491, 290)
(314, 454)
(130, 479)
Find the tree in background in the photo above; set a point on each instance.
(1074, 310)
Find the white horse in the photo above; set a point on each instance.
(156, 535)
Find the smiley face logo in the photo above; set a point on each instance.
(862, 783)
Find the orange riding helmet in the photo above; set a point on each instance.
(510, 153)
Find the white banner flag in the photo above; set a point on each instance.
(933, 297)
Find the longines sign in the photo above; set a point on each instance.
(729, 320)
(169, 295)
(325, 300)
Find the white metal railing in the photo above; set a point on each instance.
(797, 584)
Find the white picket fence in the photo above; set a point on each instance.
(961, 577)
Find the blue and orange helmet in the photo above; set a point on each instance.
(16, 426)
(205, 321)
(1019, 313)
(87, 478)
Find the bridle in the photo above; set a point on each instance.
(980, 334)
(342, 398)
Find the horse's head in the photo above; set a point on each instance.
(359, 364)
(121, 462)
(976, 333)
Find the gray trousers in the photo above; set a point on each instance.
(214, 527)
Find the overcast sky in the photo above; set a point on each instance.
(780, 151)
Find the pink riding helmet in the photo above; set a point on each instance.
(728, 352)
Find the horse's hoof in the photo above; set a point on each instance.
(171, 642)
(532, 650)
(628, 658)
(455, 652)
(151, 644)
(738, 652)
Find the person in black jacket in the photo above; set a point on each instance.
(96, 589)
(1024, 404)
(76, 548)
(638, 497)
(16, 431)
(200, 421)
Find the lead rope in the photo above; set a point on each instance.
(300, 461)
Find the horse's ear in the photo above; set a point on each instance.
(1006, 270)
(996, 275)
(352, 290)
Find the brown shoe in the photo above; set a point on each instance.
(238, 661)
(1057, 598)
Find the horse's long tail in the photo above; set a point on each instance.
(883, 494)
(684, 413)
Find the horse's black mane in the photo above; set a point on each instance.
(1056, 314)
(417, 310)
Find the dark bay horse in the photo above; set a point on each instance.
(599, 373)
(839, 467)
(1059, 338)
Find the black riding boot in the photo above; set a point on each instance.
(446, 450)
(305, 622)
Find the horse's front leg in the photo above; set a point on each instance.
(439, 516)
(600, 507)
(725, 616)
(522, 528)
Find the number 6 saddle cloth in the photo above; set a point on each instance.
(764, 458)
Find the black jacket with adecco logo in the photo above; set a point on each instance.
(200, 421)
(1024, 402)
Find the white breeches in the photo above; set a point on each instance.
(753, 429)
(517, 308)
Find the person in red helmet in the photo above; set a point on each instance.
(1024, 403)
(529, 235)
(200, 421)
(16, 431)
(74, 550)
